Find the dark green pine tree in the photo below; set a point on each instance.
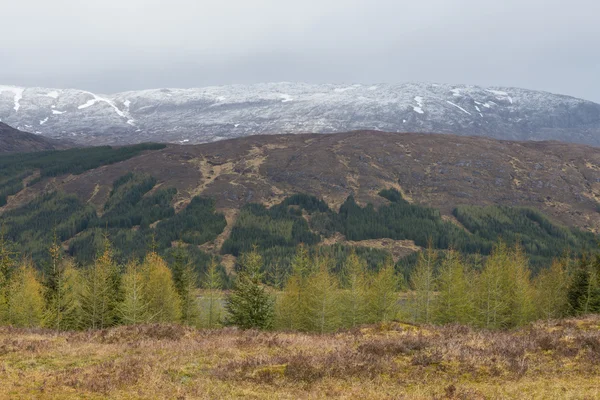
(584, 292)
(250, 306)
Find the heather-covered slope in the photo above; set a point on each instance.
(15, 141)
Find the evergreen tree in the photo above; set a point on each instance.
(291, 309)
(353, 299)
(7, 266)
(422, 281)
(212, 285)
(551, 289)
(381, 297)
(25, 297)
(493, 305)
(504, 290)
(584, 291)
(454, 301)
(164, 304)
(321, 299)
(7, 260)
(190, 309)
(180, 260)
(521, 292)
(101, 293)
(134, 308)
(185, 280)
(249, 305)
(64, 303)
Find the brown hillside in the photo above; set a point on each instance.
(15, 141)
(562, 180)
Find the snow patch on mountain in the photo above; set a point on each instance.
(459, 107)
(419, 108)
(18, 95)
(219, 112)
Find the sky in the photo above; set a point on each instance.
(116, 45)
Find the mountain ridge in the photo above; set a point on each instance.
(15, 141)
(207, 114)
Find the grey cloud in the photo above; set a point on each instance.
(117, 45)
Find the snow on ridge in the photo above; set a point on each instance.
(344, 89)
(459, 107)
(98, 99)
(43, 121)
(53, 94)
(89, 103)
(18, 91)
(56, 112)
(286, 98)
(18, 97)
(500, 95)
(419, 109)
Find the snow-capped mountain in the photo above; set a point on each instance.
(214, 113)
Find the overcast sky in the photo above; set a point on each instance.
(115, 45)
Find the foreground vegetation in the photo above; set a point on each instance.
(555, 359)
(497, 292)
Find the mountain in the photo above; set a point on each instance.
(15, 141)
(463, 192)
(216, 113)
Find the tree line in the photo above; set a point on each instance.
(497, 292)
(105, 293)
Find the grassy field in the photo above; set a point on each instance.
(559, 359)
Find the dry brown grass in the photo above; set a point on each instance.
(559, 359)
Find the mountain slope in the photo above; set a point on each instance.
(214, 113)
(461, 192)
(442, 171)
(16, 141)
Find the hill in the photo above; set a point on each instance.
(215, 113)
(386, 192)
(16, 141)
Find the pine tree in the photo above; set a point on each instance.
(521, 293)
(249, 305)
(493, 306)
(134, 308)
(7, 266)
(454, 301)
(180, 260)
(64, 308)
(212, 285)
(25, 297)
(584, 290)
(185, 280)
(382, 297)
(321, 299)
(353, 300)
(504, 291)
(422, 281)
(7, 260)
(291, 311)
(101, 293)
(164, 304)
(551, 289)
(190, 308)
